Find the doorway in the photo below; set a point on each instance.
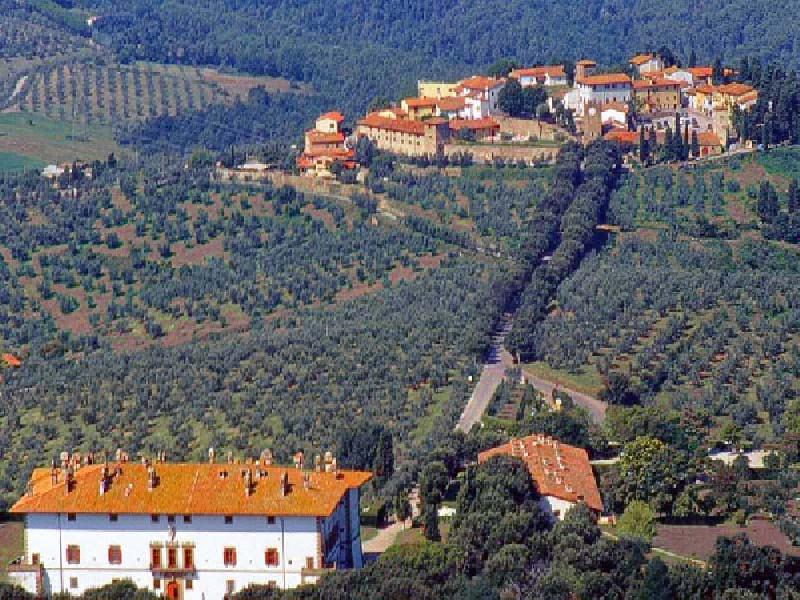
(173, 591)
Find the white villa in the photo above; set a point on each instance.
(598, 90)
(187, 530)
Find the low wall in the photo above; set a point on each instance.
(487, 153)
(529, 127)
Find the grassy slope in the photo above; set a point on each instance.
(40, 139)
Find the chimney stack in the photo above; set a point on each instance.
(266, 457)
(317, 463)
(211, 455)
(298, 460)
(152, 479)
(248, 483)
(284, 483)
(230, 457)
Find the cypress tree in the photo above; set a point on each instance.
(794, 197)
(669, 146)
(686, 141)
(644, 147)
(695, 145)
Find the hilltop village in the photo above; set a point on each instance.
(523, 117)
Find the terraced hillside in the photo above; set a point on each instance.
(110, 93)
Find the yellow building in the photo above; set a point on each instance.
(436, 89)
(657, 95)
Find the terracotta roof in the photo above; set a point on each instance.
(451, 103)
(605, 79)
(420, 102)
(706, 89)
(557, 469)
(622, 136)
(540, 72)
(396, 112)
(11, 360)
(478, 82)
(376, 121)
(708, 138)
(735, 89)
(324, 137)
(701, 71)
(640, 59)
(190, 488)
(751, 96)
(333, 116)
(644, 84)
(474, 124)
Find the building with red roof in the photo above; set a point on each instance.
(547, 75)
(324, 146)
(561, 473)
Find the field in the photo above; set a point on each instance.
(10, 161)
(102, 92)
(30, 140)
(697, 541)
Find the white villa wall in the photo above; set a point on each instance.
(555, 507)
(295, 538)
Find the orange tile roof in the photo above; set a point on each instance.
(735, 89)
(376, 121)
(622, 136)
(451, 103)
(557, 469)
(420, 102)
(474, 124)
(324, 137)
(11, 360)
(706, 89)
(478, 82)
(605, 79)
(333, 116)
(552, 70)
(644, 84)
(701, 71)
(396, 112)
(640, 59)
(708, 138)
(190, 488)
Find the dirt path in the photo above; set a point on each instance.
(17, 89)
(385, 538)
(597, 408)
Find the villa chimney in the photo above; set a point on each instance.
(211, 455)
(248, 483)
(317, 463)
(152, 479)
(306, 480)
(298, 460)
(328, 461)
(266, 457)
(68, 480)
(230, 457)
(284, 483)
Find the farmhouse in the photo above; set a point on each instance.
(436, 89)
(562, 474)
(481, 95)
(550, 75)
(418, 109)
(187, 530)
(325, 145)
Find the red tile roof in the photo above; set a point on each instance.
(702, 72)
(333, 116)
(735, 89)
(376, 121)
(11, 360)
(640, 59)
(622, 136)
(557, 469)
(190, 488)
(324, 137)
(708, 138)
(451, 103)
(479, 82)
(645, 84)
(540, 72)
(605, 79)
(420, 102)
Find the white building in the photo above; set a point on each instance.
(598, 90)
(549, 75)
(646, 63)
(187, 530)
(480, 95)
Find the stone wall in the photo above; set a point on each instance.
(486, 153)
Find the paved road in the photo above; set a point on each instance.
(493, 372)
(596, 408)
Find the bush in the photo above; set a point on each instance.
(638, 522)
